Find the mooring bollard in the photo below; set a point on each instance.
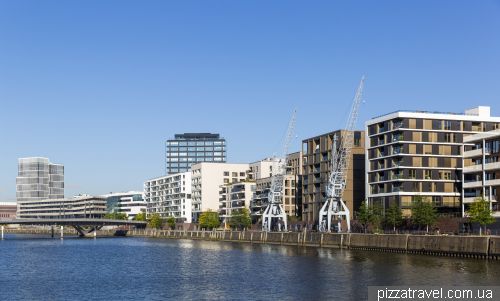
(95, 233)
(2, 232)
(62, 232)
(52, 228)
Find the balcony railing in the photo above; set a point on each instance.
(316, 150)
(397, 189)
(397, 177)
(317, 180)
(381, 179)
(305, 181)
(397, 138)
(381, 154)
(381, 166)
(397, 125)
(397, 151)
(317, 169)
(380, 142)
(397, 163)
(381, 130)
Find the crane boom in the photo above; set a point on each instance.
(339, 166)
(275, 196)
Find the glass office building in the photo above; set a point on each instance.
(38, 179)
(188, 149)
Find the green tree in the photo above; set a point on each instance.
(156, 221)
(394, 216)
(241, 218)
(141, 216)
(116, 216)
(171, 222)
(479, 212)
(423, 212)
(377, 215)
(209, 219)
(364, 214)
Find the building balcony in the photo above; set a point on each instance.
(317, 180)
(472, 184)
(495, 182)
(476, 153)
(380, 179)
(380, 142)
(397, 189)
(494, 198)
(381, 154)
(398, 151)
(396, 138)
(491, 166)
(473, 168)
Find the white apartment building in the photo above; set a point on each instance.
(129, 202)
(410, 153)
(234, 197)
(206, 179)
(169, 196)
(481, 172)
(261, 169)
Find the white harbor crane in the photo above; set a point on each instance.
(339, 165)
(275, 209)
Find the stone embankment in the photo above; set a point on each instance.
(452, 246)
(486, 247)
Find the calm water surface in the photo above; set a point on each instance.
(33, 268)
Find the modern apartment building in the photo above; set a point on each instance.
(206, 179)
(188, 149)
(234, 197)
(261, 169)
(128, 202)
(78, 207)
(37, 180)
(169, 196)
(481, 169)
(292, 195)
(413, 153)
(316, 171)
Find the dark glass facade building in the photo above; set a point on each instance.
(188, 149)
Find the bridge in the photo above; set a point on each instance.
(77, 223)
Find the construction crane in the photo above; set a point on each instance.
(275, 209)
(339, 165)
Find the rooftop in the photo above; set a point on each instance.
(197, 136)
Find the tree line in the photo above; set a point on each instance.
(423, 213)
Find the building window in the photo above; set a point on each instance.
(226, 181)
(191, 143)
(242, 174)
(428, 174)
(226, 174)
(200, 154)
(200, 143)
(209, 159)
(191, 149)
(200, 159)
(235, 180)
(412, 174)
(218, 159)
(234, 174)
(209, 154)
(209, 143)
(200, 149)
(191, 159)
(218, 148)
(447, 125)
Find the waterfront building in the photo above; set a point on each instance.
(316, 158)
(412, 153)
(292, 185)
(37, 180)
(233, 197)
(260, 169)
(84, 206)
(188, 149)
(8, 210)
(128, 202)
(169, 196)
(206, 179)
(481, 169)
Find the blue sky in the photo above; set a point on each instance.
(100, 85)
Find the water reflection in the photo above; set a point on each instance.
(157, 269)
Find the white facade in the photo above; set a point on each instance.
(261, 169)
(206, 179)
(235, 197)
(169, 196)
(129, 202)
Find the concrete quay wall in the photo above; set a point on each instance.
(453, 246)
(462, 246)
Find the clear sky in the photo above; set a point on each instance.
(99, 86)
